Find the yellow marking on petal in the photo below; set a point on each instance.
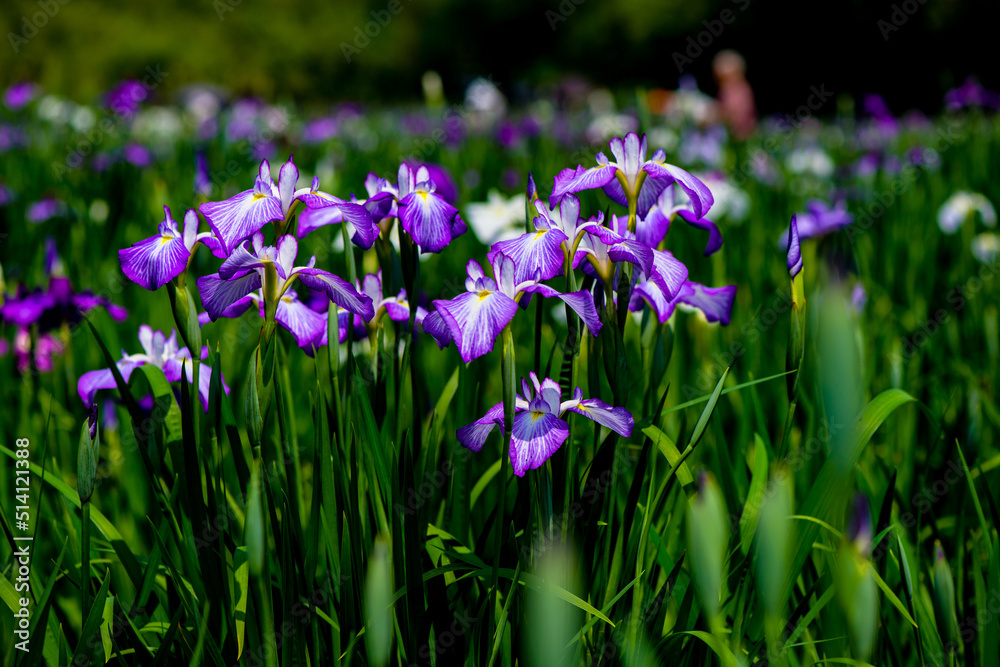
(583, 407)
(257, 196)
(539, 233)
(286, 299)
(535, 415)
(165, 238)
(422, 194)
(485, 293)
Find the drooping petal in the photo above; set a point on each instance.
(475, 320)
(435, 325)
(240, 262)
(428, 218)
(217, 294)
(338, 290)
(794, 250)
(536, 255)
(715, 302)
(699, 194)
(714, 235)
(304, 323)
(213, 244)
(474, 435)
(651, 293)
(365, 230)
(240, 216)
(93, 381)
(580, 301)
(535, 437)
(618, 420)
(669, 273)
(155, 261)
(652, 228)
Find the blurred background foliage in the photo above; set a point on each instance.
(294, 50)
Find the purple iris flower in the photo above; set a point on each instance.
(475, 319)
(319, 130)
(202, 179)
(444, 184)
(138, 155)
(243, 273)
(325, 209)
(306, 325)
(19, 95)
(242, 215)
(6, 195)
(423, 213)
(626, 178)
(794, 249)
(159, 351)
(539, 428)
(155, 261)
(126, 97)
(603, 247)
(56, 305)
(652, 227)
(715, 303)
(971, 94)
(396, 307)
(819, 219)
(46, 209)
(47, 347)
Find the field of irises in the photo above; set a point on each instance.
(467, 385)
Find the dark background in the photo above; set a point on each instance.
(292, 50)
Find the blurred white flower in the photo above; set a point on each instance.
(986, 247)
(662, 137)
(608, 125)
(158, 125)
(83, 119)
(810, 160)
(731, 203)
(497, 219)
(960, 207)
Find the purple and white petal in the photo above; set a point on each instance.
(699, 194)
(155, 261)
(581, 179)
(669, 273)
(240, 262)
(93, 381)
(428, 219)
(474, 435)
(435, 325)
(618, 420)
(191, 221)
(287, 179)
(651, 293)
(304, 323)
(536, 255)
(715, 302)
(240, 216)
(475, 320)
(580, 301)
(217, 294)
(535, 437)
(338, 290)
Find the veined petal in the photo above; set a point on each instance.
(338, 290)
(580, 301)
(535, 437)
(715, 302)
(714, 235)
(669, 273)
(287, 178)
(318, 199)
(652, 228)
(217, 294)
(651, 293)
(240, 262)
(191, 221)
(304, 323)
(649, 193)
(428, 218)
(473, 272)
(435, 325)
(155, 261)
(212, 243)
(475, 320)
(93, 381)
(577, 181)
(618, 420)
(240, 216)
(536, 255)
(699, 194)
(287, 251)
(475, 434)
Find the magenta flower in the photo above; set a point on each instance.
(155, 261)
(539, 428)
(475, 319)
